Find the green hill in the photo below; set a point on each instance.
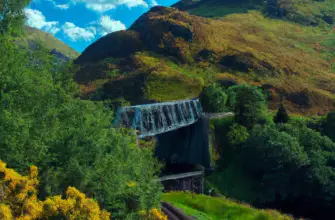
(50, 42)
(168, 54)
(305, 12)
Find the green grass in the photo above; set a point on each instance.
(218, 9)
(49, 42)
(291, 60)
(209, 208)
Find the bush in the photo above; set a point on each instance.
(237, 135)
(19, 200)
(70, 140)
(273, 157)
(249, 105)
(213, 99)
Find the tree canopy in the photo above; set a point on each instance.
(249, 105)
(214, 99)
(11, 15)
(71, 140)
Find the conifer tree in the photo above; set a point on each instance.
(282, 116)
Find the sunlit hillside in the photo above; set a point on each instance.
(167, 47)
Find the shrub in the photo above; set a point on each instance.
(273, 157)
(214, 99)
(19, 200)
(249, 105)
(69, 139)
(237, 135)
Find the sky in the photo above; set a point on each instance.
(79, 23)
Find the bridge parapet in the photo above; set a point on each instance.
(158, 118)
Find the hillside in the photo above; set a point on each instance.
(209, 208)
(305, 12)
(169, 54)
(51, 43)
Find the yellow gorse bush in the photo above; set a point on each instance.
(18, 200)
(153, 214)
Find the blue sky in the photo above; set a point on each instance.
(79, 23)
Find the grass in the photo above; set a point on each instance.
(49, 41)
(209, 208)
(217, 9)
(290, 60)
(305, 12)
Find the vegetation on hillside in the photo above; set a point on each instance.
(32, 36)
(19, 200)
(70, 140)
(284, 166)
(182, 52)
(209, 208)
(305, 12)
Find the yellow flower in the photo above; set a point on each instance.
(20, 193)
(5, 212)
(33, 172)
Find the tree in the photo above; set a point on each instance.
(70, 140)
(213, 99)
(11, 15)
(273, 157)
(237, 135)
(329, 126)
(249, 105)
(281, 116)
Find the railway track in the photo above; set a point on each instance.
(174, 213)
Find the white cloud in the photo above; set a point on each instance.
(59, 6)
(63, 6)
(106, 5)
(153, 3)
(36, 19)
(109, 25)
(77, 33)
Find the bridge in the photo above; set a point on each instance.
(181, 130)
(158, 118)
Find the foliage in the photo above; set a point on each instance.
(248, 104)
(237, 135)
(153, 214)
(213, 99)
(329, 125)
(273, 157)
(206, 207)
(70, 140)
(281, 116)
(284, 58)
(11, 15)
(19, 200)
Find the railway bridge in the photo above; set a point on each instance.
(181, 130)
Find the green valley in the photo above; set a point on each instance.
(232, 100)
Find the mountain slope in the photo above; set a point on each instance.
(305, 12)
(55, 46)
(168, 54)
